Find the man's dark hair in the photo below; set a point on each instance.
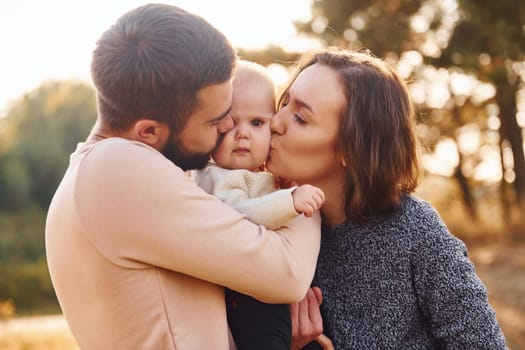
(152, 62)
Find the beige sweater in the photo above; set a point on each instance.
(137, 253)
(252, 193)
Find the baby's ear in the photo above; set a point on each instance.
(151, 132)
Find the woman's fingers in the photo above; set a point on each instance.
(315, 325)
(318, 294)
(307, 322)
(325, 342)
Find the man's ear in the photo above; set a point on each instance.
(151, 132)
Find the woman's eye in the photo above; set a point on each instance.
(299, 119)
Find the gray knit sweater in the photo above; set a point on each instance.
(402, 281)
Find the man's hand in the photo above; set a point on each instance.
(307, 199)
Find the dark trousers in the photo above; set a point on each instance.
(256, 325)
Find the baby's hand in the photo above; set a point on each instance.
(307, 199)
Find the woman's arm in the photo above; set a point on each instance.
(450, 294)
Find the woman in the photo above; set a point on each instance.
(391, 274)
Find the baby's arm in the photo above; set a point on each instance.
(272, 210)
(307, 199)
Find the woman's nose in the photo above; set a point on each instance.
(225, 125)
(277, 125)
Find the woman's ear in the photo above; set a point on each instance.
(151, 132)
(341, 159)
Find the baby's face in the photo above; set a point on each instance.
(246, 146)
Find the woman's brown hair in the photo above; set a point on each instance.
(377, 139)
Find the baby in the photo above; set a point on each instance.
(237, 177)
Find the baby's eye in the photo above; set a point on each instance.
(257, 122)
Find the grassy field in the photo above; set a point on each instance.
(501, 267)
(36, 333)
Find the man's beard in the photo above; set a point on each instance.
(182, 157)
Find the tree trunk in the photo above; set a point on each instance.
(466, 192)
(506, 197)
(511, 131)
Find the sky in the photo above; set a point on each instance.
(53, 39)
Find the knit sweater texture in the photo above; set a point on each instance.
(403, 281)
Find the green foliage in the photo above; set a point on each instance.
(493, 28)
(14, 183)
(45, 126)
(24, 277)
(28, 285)
(22, 235)
(380, 26)
(496, 30)
(38, 134)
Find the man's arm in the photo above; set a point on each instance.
(140, 210)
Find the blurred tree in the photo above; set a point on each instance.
(41, 130)
(488, 41)
(37, 136)
(384, 27)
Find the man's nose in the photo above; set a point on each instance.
(225, 125)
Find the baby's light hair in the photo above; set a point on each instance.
(249, 72)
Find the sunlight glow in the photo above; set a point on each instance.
(419, 24)
(484, 59)
(520, 117)
(438, 94)
(462, 84)
(485, 170)
(279, 74)
(483, 92)
(417, 92)
(469, 139)
(493, 122)
(358, 22)
(53, 39)
(408, 62)
(443, 160)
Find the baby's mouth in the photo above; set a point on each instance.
(241, 150)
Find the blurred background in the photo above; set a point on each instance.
(464, 61)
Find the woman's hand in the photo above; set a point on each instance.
(325, 342)
(307, 323)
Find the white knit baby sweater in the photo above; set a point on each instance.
(251, 193)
